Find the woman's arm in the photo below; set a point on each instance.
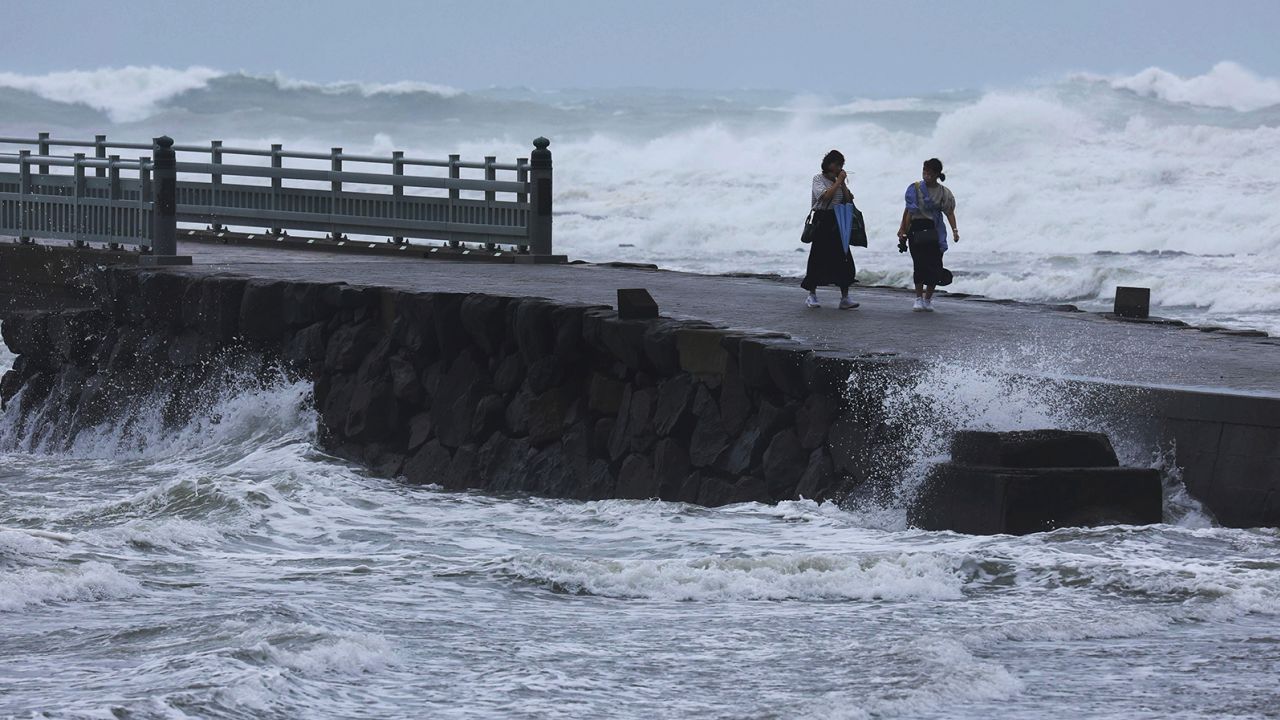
(830, 193)
(951, 218)
(906, 223)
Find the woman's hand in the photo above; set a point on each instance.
(955, 234)
(841, 176)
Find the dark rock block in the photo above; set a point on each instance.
(605, 395)
(785, 364)
(544, 374)
(349, 345)
(636, 480)
(717, 491)
(701, 351)
(570, 328)
(219, 307)
(772, 418)
(671, 467)
(818, 479)
(335, 403)
(784, 462)
(373, 413)
(302, 304)
(421, 430)
(827, 374)
(660, 347)
(751, 364)
(430, 464)
(413, 328)
(306, 346)
(186, 349)
(463, 469)
(624, 340)
(709, 439)
(27, 334)
(341, 296)
(74, 334)
(535, 333)
(988, 500)
(1033, 449)
(813, 418)
(485, 319)
(516, 416)
(376, 363)
(735, 404)
(599, 484)
(504, 463)
(673, 414)
(454, 402)
(261, 318)
(161, 294)
(746, 453)
(547, 414)
(509, 375)
(450, 335)
(633, 431)
(601, 431)
(404, 381)
(489, 416)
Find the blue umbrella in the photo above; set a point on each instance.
(844, 219)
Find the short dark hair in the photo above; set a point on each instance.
(935, 165)
(835, 156)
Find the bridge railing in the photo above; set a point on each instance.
(514, 211)
(108, 207)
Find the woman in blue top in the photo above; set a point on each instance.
(922, 228)
(830, 262)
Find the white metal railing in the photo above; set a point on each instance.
(514, 212)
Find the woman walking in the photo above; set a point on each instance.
(923, 230)
(830, 262)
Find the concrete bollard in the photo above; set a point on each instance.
(1034, 481)
(1133, 302)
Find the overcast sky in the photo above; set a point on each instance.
(871, 48)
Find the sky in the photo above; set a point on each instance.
(871, 48)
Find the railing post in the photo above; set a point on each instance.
(100, 152)
(215, 180)
(113, 192)
(397, 191)
(144, 179)
(455, 172)
(335, 190)
(277, 184)
(24, 189)
(490, 175)
(42, 146)
(78, 221)
(540, 209)
(522, 176)
(164, 240)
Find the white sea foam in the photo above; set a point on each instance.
(766, 577)
(85, 582)
(1226, 85)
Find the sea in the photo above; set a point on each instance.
(228, 568)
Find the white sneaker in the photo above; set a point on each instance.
(928, 304)
(847, 304)
(812, 301)
(918, 306)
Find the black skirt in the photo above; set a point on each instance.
(829, 262)
(926, 254)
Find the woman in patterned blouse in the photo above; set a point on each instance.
(830, 262)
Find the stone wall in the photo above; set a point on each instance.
(524, 394)
(470, 391)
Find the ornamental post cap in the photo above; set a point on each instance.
(163, 141)
(541, 143)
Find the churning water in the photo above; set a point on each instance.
(227, 568)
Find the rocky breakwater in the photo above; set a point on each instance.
(466, 391)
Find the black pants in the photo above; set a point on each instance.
(926, 253)
(829, 262)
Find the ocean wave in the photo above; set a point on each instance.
(125, 94)
(85, 582)
(1226, 85)
(766, 577)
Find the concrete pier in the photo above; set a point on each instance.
(1212, 395)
